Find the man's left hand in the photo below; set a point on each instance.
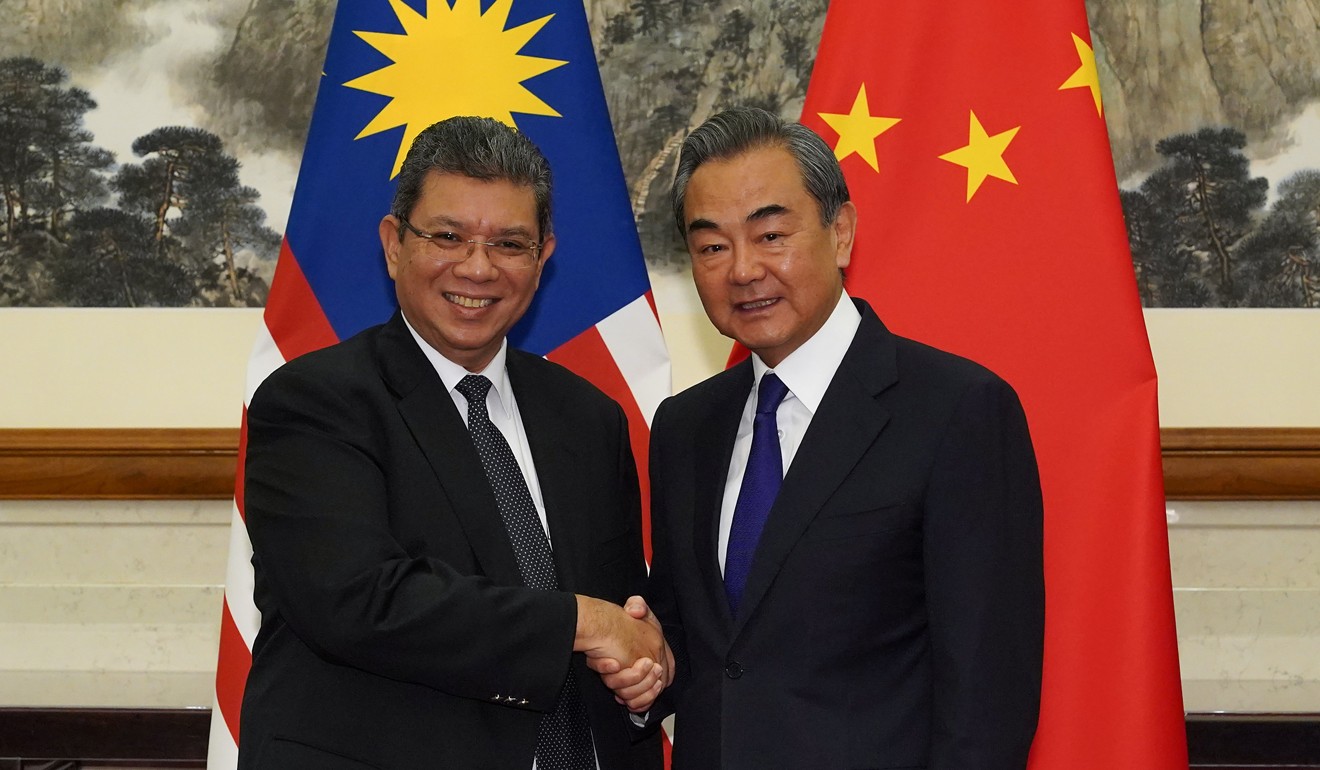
(637, 686)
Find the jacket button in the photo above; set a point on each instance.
(733, 670)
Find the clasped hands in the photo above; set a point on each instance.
(626, 646)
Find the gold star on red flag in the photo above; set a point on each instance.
(927, 265)
(858, 130)
(983, 156)
(1086, 76)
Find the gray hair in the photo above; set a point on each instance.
(735, 131)
(480, 148)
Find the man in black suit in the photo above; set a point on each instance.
(439, 522)
(848, 568)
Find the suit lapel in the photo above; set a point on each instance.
(844, 428)
(550, 432)
(717, 429)
(436, 426)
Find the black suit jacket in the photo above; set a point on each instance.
(395, 629)
(893, 614)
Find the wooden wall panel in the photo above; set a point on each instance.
(115, 464)
(199, 463)
(1241, 463)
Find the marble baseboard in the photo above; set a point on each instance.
(1246, 579)
(110, 646)
(116, 603)
(93, 604)
(114, 542)
(1250, 696)
(109, 689)
(111, 603)
(1248, 613)
(1244, 544)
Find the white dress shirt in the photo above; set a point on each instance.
(807, 372)
(500, 404)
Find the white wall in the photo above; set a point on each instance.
(66, 368)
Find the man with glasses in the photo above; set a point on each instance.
(440, 522)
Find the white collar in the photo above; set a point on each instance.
(451, 373)
(808, 370)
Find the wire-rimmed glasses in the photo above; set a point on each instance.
(505, 251)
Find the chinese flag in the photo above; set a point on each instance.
(973, 139)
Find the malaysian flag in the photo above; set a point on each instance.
(393, 68)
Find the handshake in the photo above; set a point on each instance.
(626, 646)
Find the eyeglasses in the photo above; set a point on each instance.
(506, 251)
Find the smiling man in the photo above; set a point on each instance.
(847, 526)
(440, 522)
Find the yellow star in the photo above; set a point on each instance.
(455, 60)
(983, 156)
(858, 129)
(1086, 75)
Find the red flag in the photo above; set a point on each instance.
(974, 145)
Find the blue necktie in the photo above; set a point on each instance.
(760, 485)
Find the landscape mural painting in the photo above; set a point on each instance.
(137, 169)
(149, 148)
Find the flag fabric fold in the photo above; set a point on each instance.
(973, 140)
(392, 68)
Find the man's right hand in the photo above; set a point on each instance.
(627, 647)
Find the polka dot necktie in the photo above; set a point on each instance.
(760, 485)
(564, 741)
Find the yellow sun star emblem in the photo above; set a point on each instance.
(450, 62)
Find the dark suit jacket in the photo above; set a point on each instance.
(395, 629)
(893, 615)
